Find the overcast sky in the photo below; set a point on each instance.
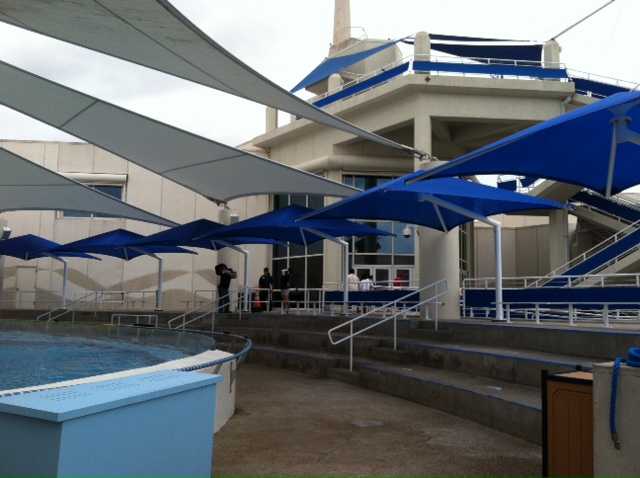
(285, 39)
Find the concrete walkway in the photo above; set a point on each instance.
(292, 424)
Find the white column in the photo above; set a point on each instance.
(551, 54)
(438, 253)
(422, 46)
(271, 119)
(229, 256)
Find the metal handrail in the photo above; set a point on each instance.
(588, 254)
(206, 312)
(73, 306)
(432, 299)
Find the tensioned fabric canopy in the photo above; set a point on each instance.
(155, 34)
(216, 171)
(281, 224)
(440, 204)
(25, 185)
(117, 243)
(596, 146)
(30, 247)
(494, 48)
(335, 64)
(191, 235)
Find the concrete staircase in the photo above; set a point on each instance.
(483, 371)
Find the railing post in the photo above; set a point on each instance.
(395, 331)
(538, 314)
(351, 348)
(571, 314)
(605, 314)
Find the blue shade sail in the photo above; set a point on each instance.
(440, 204)
(118, 243)
(335, 64)
(481, 48)
(191, 234)
(29, 247)
(596, 147)
(282, 225)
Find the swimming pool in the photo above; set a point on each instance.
(36, 353)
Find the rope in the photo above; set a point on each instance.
(633, 361)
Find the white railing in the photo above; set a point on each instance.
(191, 316)
(568, 281)
(433, 292)
(574, 312)
(72, 307)
(444, 60)
(151, 319)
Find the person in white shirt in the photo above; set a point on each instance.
(354, 282)
(366, 283)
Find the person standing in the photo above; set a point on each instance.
(265, 284)
(366, 284)
(285, 289)
(398, 282)
(226, 275)
(353, 280)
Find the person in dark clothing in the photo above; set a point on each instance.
(285, 288)
(226, 275)
(265, 284)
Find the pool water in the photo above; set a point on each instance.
(31, 359)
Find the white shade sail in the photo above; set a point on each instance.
(28, 186)
(216, 171)
(155, 34)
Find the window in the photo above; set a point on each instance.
(110, 184)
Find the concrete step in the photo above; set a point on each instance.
(509, 407)
(511, 365)
(519, 366)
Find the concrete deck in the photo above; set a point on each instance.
(294, 424)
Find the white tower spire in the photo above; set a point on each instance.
(341, 25)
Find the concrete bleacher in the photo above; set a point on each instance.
(479, 370)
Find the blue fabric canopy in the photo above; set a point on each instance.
(191, 234)
(281, 225)
(29, 247)
(118, 243)
(440, 204)
(335, 64)
(470, 47)
(596, 146)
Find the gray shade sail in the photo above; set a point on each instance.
(155, 34)
(28, 186)
(216, 171)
